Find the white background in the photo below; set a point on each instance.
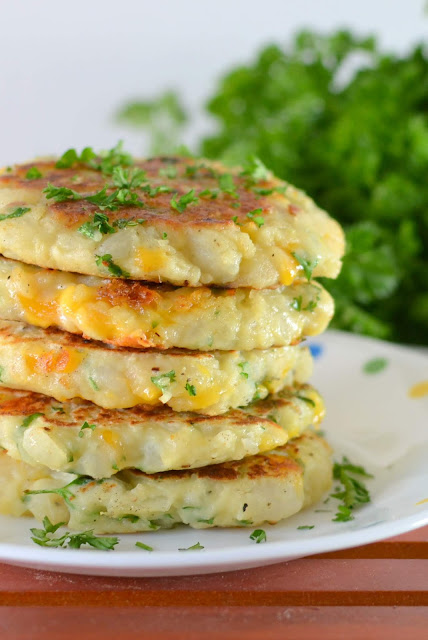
(65, 67)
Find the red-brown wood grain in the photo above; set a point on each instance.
(376, 591)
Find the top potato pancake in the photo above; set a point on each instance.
(238, 231)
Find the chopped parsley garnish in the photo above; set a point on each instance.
(208, 193)
(191, 390)
(227, 185)
(163, 380)
(29, 419)
(71, 158)
(168, 172)
(141, 545)
(194, 547)
(61, 194)
(152, 192)
(16, 213)
(259, 535)
(308, 265)
(305, 526)
(64, 492)
(129, 516)
(99, 225)
(375, 365)
(208, 521)
(58, 409)
(122, 223)
(45, 538)
(255, 217)
(86, 425)
(33, 174)
(297, 303)
(305, 399)
(164, 235)
(107, 261)
(94, 385)
(354, 492)
(181, 204)
(235, 220)
(255, 171)
(243, 366)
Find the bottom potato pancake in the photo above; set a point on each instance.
(66, 366)
(264, 488)
(79, 437)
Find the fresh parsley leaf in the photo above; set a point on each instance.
(152, 192)
(71, 158)
(29, 419)
(122, 223)
(58, 409)
(141, 545)
(306, 526)
(107, 261)
(208, 193)
(93, 384)
(354, 492)
(296, 304)
(376, 365)
(255, 171)
(206, 521)
(163, 380)
(194, 547)
(308, 265)
(16, 213)
(259, 535)
(227, 184)
(33, 174)
(191, 390)
(64, 492)
(305, 399)
(243, 366)
(61, 194)
(168, 172)
(45, 538)
(182, 203)
(255, 217)
(97, 227)
(131, 517)
(86, 425)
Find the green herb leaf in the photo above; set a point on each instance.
(208, 521)
(376, 365)
(45, 538)
(191, 390)
(297, 303)
(306, 526)
(58, 409)
(86, 425)
(97, 227)
(61, 194)
(16, 213)
(259, 535)
(354, 492)
(308, 265)
(33, 174)
(29, 419)
(107, 261)
(64, 492)
(94, 385)
(227, 184)
(141, 545)
(163, 380)
(182, 203)
(194, 547)
(243, 366)
(255, 171)
(255, 217)
(305, 399)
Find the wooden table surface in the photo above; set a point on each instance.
(376, 591)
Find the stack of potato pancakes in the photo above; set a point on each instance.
(150, 360)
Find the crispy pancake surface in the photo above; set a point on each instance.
(189, 222)
(141, 315)
(264, 488)
(79, 437)
(66, 366)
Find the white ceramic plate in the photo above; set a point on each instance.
(371, 419)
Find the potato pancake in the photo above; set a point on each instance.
(66, 366)
(140, 315)
(263, 488)
(79, 437)
(177, 220)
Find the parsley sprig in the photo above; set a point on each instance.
(354, 492)
(45, 538)
(182, 203)
(64, 492)
(107, 261)
(16, 213)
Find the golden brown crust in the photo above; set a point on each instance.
(206, 212)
